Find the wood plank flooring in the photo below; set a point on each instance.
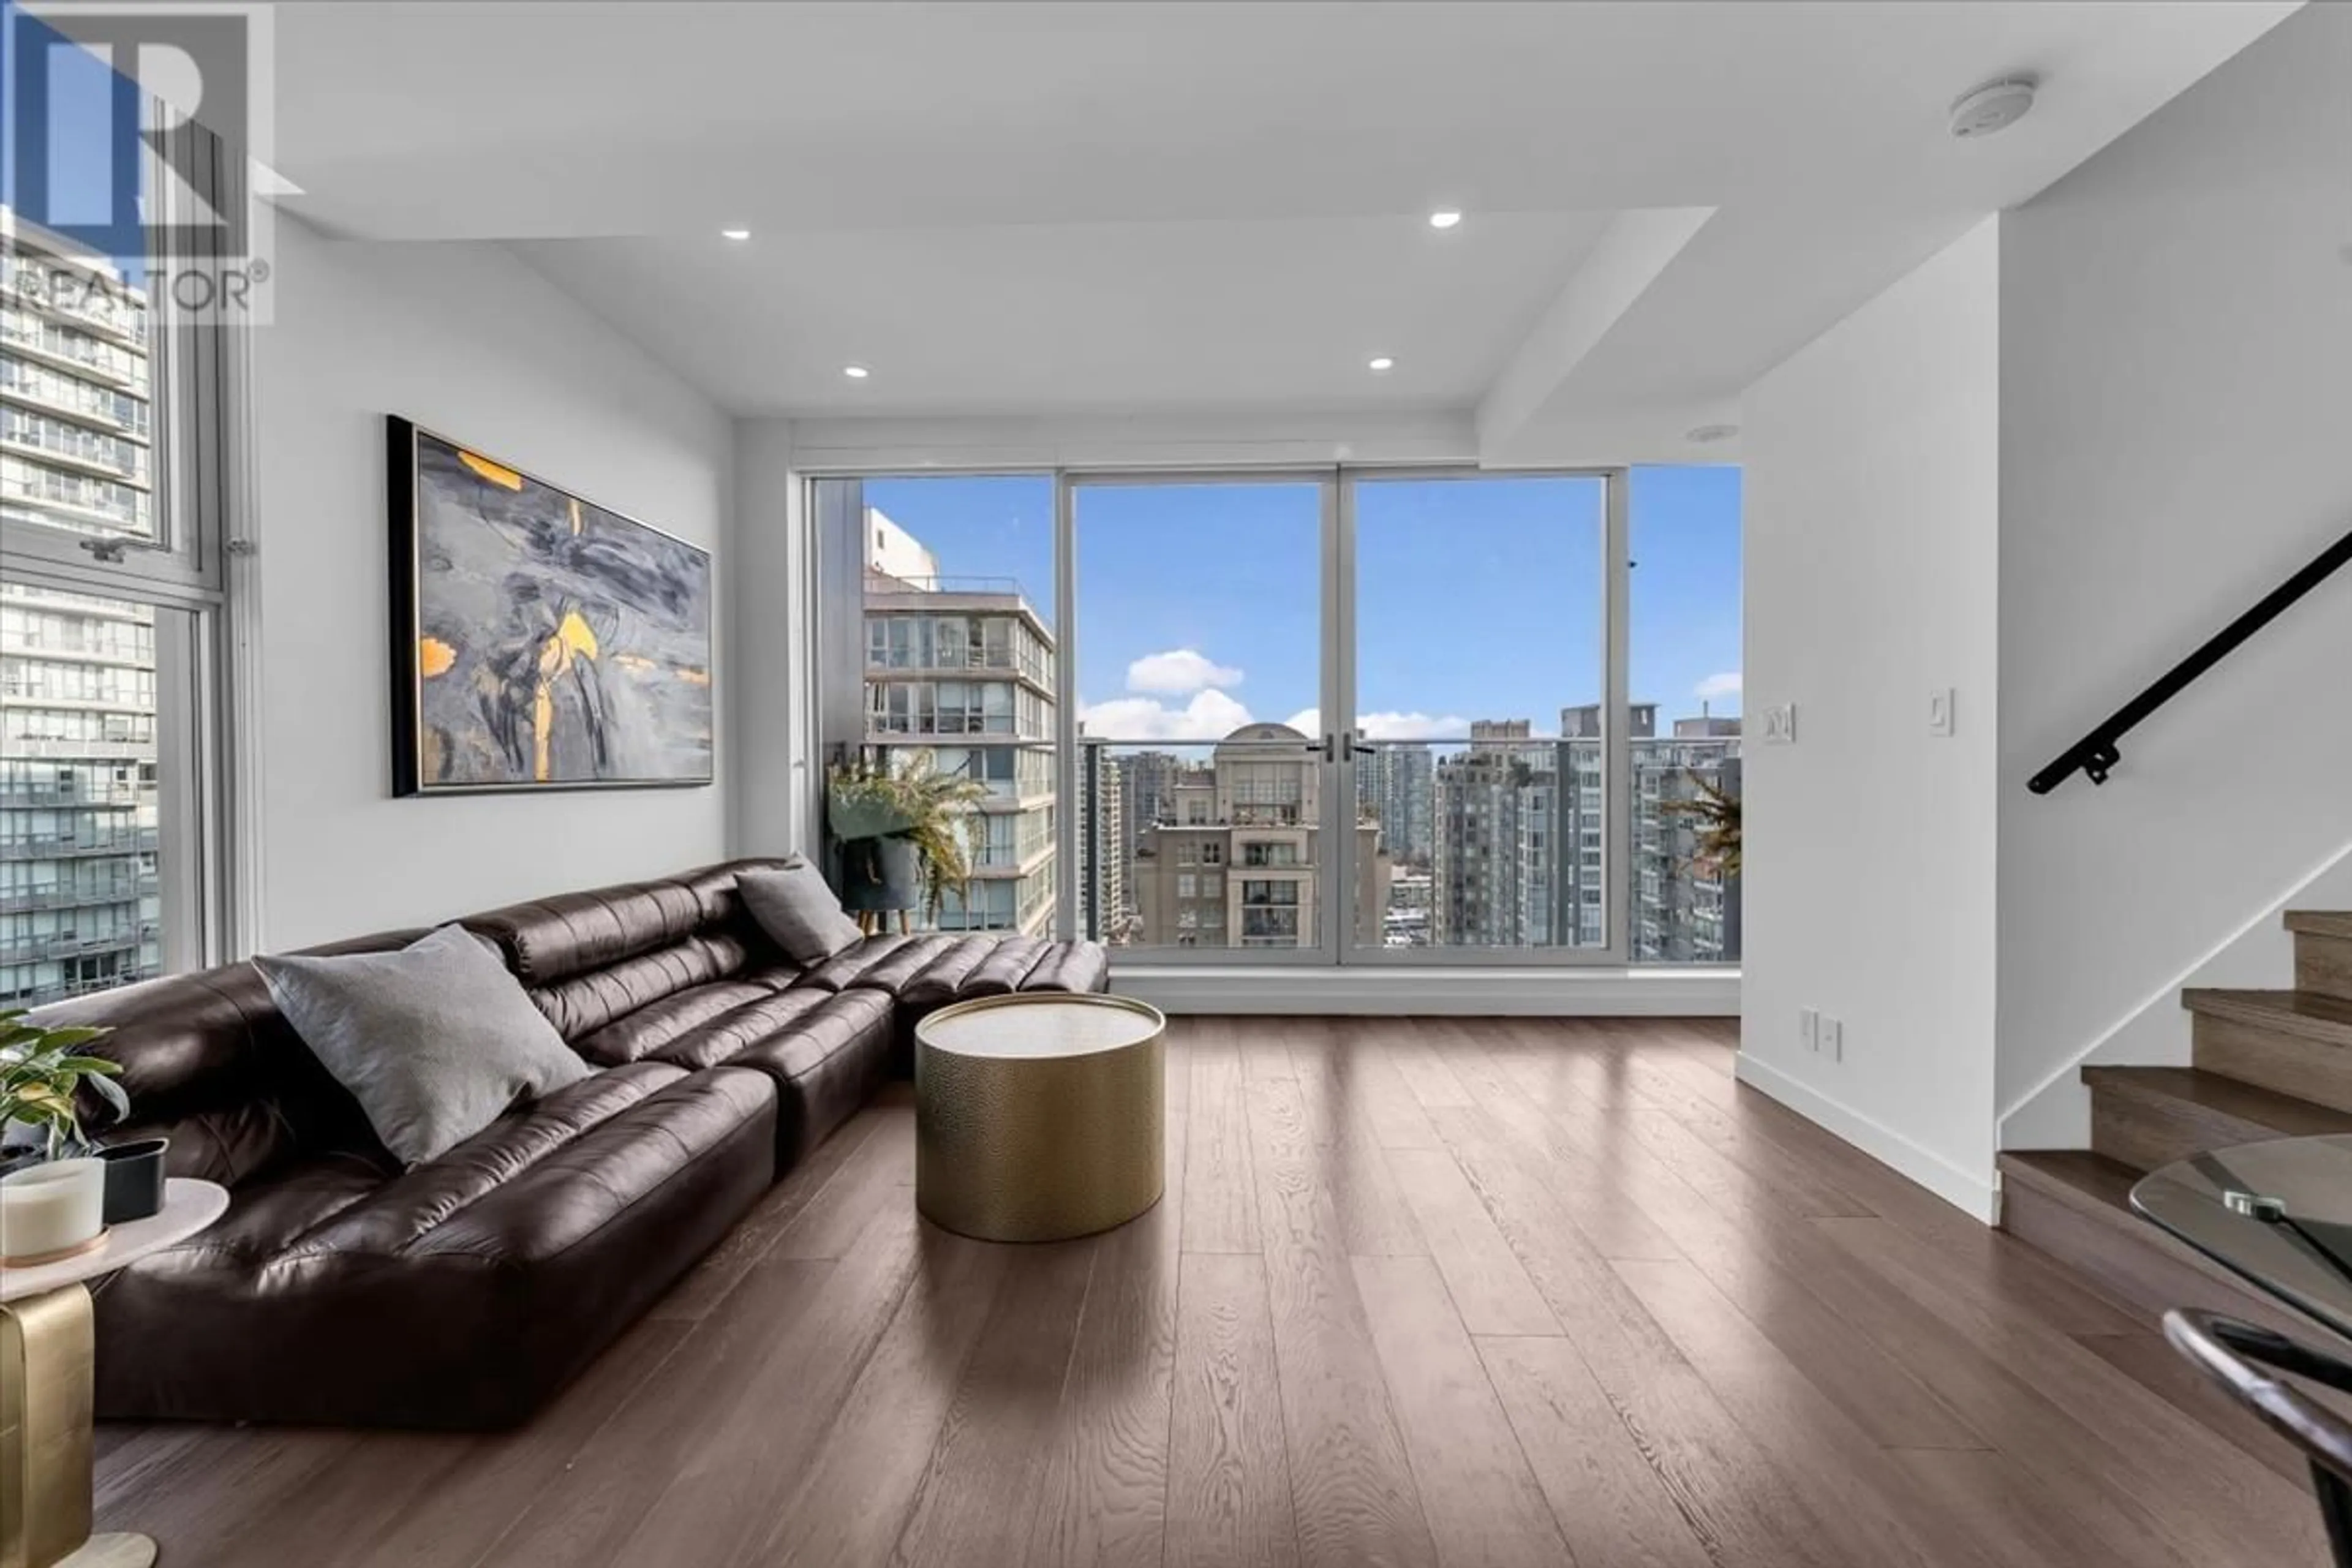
(1456, 1292)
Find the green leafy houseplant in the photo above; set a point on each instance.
(40, 1069)
(1716, 814)
(914, 802)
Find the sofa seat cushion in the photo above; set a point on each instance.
(461, 1293)
(977, 966)
(648, 1030)
(825, 1051)
(1070, 966)
(406, 1213)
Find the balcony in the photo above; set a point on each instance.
(69, 846)
(47, 438)
(92, 299)
(33, 949)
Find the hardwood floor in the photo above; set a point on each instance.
(1420, 1291)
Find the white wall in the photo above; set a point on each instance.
(775, 762)
(2175, 380)
(471, 343)
(1870, 547)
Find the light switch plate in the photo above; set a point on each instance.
(1940, 713)
(1809, 1028)
(1781, 725)
(1832, 1038)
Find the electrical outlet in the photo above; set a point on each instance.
(1833, 1039)
(1781, 725)
(1940, 713)
(1809, 1028)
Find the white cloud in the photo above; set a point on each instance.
(1208, 716)
(1716, 687)
(1180, 672)
(1409, 726)
(1386, 726)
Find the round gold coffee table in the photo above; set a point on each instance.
(1038, 1116)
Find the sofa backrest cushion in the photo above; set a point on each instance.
(210, 1063)
(553, 939)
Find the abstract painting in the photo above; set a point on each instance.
(540, 641)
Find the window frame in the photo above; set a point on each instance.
(1339, 943)
(197, 575)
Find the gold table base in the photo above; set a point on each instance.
(46, 1406)
(1038, 1147)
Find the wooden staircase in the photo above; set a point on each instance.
(2267, 1064)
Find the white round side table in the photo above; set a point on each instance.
(45, 1399)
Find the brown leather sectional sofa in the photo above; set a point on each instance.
(341, 1290)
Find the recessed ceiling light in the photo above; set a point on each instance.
(856, 372)
(734, 234)
(1383, 363)
(1444, 217)
(1704, 433)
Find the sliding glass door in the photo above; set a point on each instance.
(1324, 716)
(1200, 677)
(1477, 618)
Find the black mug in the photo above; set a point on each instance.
(134, 1179)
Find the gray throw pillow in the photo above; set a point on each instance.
(798, 912)
(435, 1041)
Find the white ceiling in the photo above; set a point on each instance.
(1123, 207)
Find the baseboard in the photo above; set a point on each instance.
(1460, 992)
(1973, 1195)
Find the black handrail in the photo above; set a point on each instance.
(2095, 752)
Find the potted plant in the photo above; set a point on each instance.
(904, 832)
(1715, 813)
(52, 1196)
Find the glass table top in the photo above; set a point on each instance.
(2277, 1214)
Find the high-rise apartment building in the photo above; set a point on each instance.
(79, 905)
(963, 668)
(1520, 856)
(1493, 826)
(1234, 856)
(1105, 848)
(1686, 909)
(1395, 784)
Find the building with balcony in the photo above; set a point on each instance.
(80, 904)
(75, 387)
(79, 907)
(1234, 859)
(962, 668)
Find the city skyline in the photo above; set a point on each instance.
(1185, 645)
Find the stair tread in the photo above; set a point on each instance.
(2090, 1182)
(2321, 923)
(2283, 1114)
(2098, 1189)
(2307, 1013)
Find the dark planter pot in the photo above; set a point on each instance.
(881, 874)
(134, 1179)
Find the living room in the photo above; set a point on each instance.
(888, 782)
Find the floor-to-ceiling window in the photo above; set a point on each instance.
(1331, 716)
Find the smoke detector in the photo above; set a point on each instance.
(1995, 106)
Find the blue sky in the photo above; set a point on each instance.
(1198, 605)
(92, 111)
